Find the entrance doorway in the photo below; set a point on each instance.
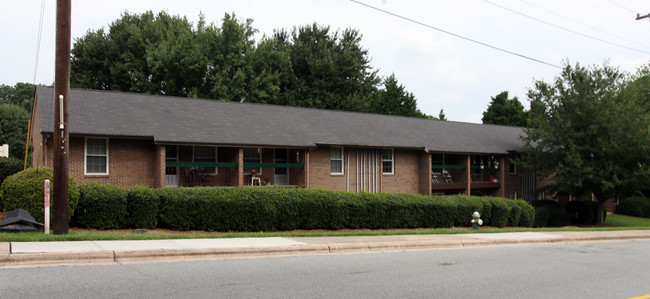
(281, 175)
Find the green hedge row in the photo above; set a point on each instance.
(103, 206)
(637, 206)
(582, 212)
(270, 209)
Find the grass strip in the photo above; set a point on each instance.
(614, 222)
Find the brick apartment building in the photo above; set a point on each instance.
(128, 139)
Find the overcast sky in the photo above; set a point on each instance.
(442, 70)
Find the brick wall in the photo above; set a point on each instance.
(131, 162)
(406, 177)
(513, 181)
(319, 171)
(425, 173)
(363, 171)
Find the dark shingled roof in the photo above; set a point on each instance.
(169, 119)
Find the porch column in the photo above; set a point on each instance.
(240, 167)
(307, 168)
(502, 177)
(468, 175)
(425, 173)
(159, 166)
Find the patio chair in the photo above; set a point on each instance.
(434, 177)
(446, 176)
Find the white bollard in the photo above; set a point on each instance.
(47, 208)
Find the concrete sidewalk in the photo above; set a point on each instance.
(21, 254)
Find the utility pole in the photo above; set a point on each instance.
(639, 16)
(60, 130)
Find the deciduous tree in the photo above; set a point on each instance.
(309, 66)
(592, 137)
(13, 129)
(20, 94)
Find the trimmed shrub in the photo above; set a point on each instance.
(637, 206)
(25, 190)
(558, 218)
(268, 209)
(101, 206)
(549, 213)
(545, 202)
(142, 206)
(583, 212)
(9, 166)
(515, 212)
(527, 218)
(500, 212)
(542, 214)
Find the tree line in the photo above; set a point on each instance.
(308, 66)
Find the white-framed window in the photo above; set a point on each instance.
(96, 156)
(513, 194)
(512, 168)
(388, 161)
(206, 154)
(253, 155)
(336, 160)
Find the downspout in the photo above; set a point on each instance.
(374, 176)
(347, 174)
(363, 170)
(356, 171)
(372, 171)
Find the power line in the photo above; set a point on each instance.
(621, 6)
(583, 24)
(563, 28)
(38, 40)
(456, 35)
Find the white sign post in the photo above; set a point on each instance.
(47, 208)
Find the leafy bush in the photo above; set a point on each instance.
(527, 218)
(515, 212)
(549, 213)
(25, 190)
(638, 206)
(142, 206)
(558, 218)
(500, 212)
(583, 212)
(545, 202)
(101, 206)
(9, 166)
(542, 213)
(268, 209)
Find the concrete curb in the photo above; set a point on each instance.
(147, 255)
(9, 260)
(58, 258)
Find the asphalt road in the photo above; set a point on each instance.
(581, 270)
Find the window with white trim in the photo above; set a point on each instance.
(252, 155)
(96, 156)
(388, 159)
(512, 168)
(513, 194)
(206, 154)
(336, 160)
